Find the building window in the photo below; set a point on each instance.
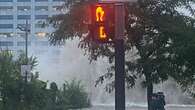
(59, 9)
(21, 34)
(6, 8)
(23, 8)
(6, 43)
(37, 25)
(6, 26)
(23, 43)
(23, 26)
(6, 35)
(41, 16)
(56, 8)
(41, 24)
(43, 43)
(23, 17)
(23, 0)
(41, 34)
(58, 0)
(41, 0)
(41, 8)
(6, 17)
(6, 0)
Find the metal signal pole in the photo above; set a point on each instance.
(25, 68)
(26, 41)
(119, 57)
(119, 14)
(26, 30)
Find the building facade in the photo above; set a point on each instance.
(15, 13)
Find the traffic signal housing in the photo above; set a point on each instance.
(103, 22)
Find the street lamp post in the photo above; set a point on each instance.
(26, 30)
(25, 69)
(26, 39)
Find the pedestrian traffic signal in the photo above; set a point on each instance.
(99, 14)
(103, 22)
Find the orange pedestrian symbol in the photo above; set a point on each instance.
(102, 32)
(99, 14)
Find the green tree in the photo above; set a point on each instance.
(12, 84)
(17, 94)
(53, 96)
(160, 36)
(35, 94)
(8, 81)
(74, 95)
(71, 96)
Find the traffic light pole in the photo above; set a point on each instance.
(119, 75)
(101, 17)
(119, 57)
(26, 42)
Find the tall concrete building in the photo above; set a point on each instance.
(14, 13)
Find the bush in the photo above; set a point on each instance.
(74, 95)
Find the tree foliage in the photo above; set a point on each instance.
(71, 96)
(160, 36)
(17, 94)
(75, 95)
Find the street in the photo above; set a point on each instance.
(168, 107)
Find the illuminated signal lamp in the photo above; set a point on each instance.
(102, 32)
(99, 14)
(103, 22)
